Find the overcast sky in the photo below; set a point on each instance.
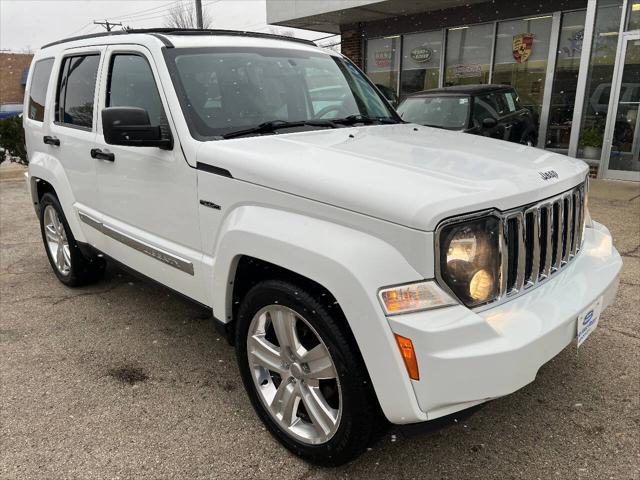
(29, 24)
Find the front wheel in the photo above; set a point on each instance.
(304, 378)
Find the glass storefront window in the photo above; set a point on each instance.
(420, 62)
(601, 63)
(634, 15)
(468, 54)
(563, 92)
(522, 50)
(625, 147)
(383, 62)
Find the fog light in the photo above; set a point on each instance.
(481, 285)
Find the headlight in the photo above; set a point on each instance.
(469, 259)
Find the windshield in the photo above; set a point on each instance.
(445, 112)
(226, 90)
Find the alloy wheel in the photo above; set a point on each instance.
(56, 238)
(294, 374)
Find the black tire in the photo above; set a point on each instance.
(83, 270)
(361, 420)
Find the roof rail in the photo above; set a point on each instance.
(161, 32)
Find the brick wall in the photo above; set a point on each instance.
(11, 67)
(351, 43)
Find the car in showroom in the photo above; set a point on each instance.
(488, 110)
(368, 270)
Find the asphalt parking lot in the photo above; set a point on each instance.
(124, 379)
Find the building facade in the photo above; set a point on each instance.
(13, 70)
(574, 63)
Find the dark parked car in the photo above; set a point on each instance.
(10, 110)
(490, 110)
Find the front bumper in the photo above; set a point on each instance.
(466, 357)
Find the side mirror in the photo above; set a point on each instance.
(130, 126)
(489, 122)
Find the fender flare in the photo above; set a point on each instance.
(49, 169)
(350, 264)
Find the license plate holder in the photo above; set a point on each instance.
(588, 321)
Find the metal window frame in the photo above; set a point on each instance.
(552, 58)
(614, 95)
(604, 171)
(492, 59)
(627, 13)
(400, 60)
(443, 54)
(583, 76)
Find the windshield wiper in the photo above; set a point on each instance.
(364, 119)
(274, 125)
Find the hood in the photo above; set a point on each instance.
(407, 174)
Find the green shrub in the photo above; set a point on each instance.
(12, 140)
(592, 137)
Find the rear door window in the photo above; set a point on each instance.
(76, 89)
(38, 89)
(131, 84)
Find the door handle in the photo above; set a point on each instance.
(51, 140)
(100, 155)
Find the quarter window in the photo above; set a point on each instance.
(76, 88)
(131, 84)
(38, 89)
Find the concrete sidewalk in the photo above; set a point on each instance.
(124, 379)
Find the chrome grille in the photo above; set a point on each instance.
(539, 240)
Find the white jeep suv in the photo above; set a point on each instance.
(364, 268)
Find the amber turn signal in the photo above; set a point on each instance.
(409, 356)
(413, 297)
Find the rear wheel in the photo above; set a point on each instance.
(69, 264)
(304, 379)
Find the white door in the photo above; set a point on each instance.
(621, 152)
(148, 196)
(73, 129)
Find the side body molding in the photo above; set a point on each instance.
(351, 264)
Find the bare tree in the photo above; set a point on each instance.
(183, 15)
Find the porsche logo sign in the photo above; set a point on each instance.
(522, 47)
